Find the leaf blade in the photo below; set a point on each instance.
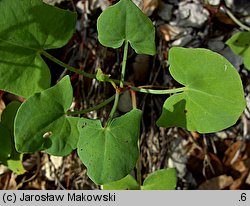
(164, 179)
(14, 159)
(50, 130)
(213, 98)
(26, 28)
(101, 148)
(126, 183)
(240, 45)
(121, 22)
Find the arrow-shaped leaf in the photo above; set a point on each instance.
(125, 21)
(41, 122)
(109, 153)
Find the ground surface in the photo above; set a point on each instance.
(212, 161)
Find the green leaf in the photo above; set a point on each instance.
(5, 146)
(111, 152)
(9, 114)
(26, 28)
(41, 122)
(100, 76)
(14, 159)
(164, 179)
(125, 21)
(14, 163)
(213, 97)
(7, 128)
(126, 183)
(240, 45)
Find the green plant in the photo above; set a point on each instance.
(239, 42)
(210, 100)
(240, 45)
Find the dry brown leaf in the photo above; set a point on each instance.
(220, 15)
(241, 166)
(2, 105)
(217, 183)
(248, 179)
(170, 32)
(149, 6)
(239, 182)
(196, 135)
(224, 18)
(230, 153)
(165, 32)
(196, 165)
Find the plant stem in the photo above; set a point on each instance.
(230, 14)
(155, 91)
(111, 115)
(124, 62)
(117, 94)
(99, 106)
(73, 69)
(133, 98)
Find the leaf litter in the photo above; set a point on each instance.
(212, 161)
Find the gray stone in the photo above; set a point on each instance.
(175, 2)
(246, 20)
(138, 2)
(170, 32)
(183, 41)
(125, 104)
(241, 7)
(235, 60)
(216, 45)
(94, 4)
(165, 11)
(191, 15)
(214, 2)
(52, 2)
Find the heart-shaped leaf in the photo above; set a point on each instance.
(125, 21)
(213, 97)
(126, 183)
(41, 122)
(164, 179)
(111, 152)
(26, 28)
(14, 159)
(240, 45)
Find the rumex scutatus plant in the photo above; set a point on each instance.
(211, 98)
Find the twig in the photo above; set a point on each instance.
(230, 14)
(206, 161)
(245, 134)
